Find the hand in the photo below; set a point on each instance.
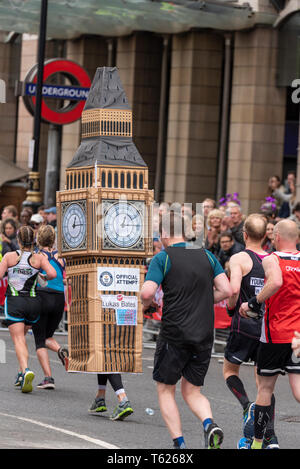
(244, 308)
(292, 187)
(153, 305)
(42, 280)
(296, 344)
(74, 223)
(123, 222)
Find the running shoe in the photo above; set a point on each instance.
(122, 411)
(63, 355)
(213, 436)
(248, 421)
(47, 383)
(27, 378)
(244, 443)
(19, 378)
(98, 405)
(270, 443)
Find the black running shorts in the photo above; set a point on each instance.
(240, 348)
(273, 359)
(172, 362)
(22, 309)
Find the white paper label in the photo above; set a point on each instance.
(118, 279)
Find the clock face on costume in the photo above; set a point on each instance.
(74, 225)
(123, 225)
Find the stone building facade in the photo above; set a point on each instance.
(176, 87)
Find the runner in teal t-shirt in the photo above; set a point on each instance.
(161, 264)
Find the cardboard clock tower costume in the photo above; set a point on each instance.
(105, 234)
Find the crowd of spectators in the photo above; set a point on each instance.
(219, 227)
(11, 220)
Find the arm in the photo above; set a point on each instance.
(281, 197)
(47, 267)
(148, 293)
(157, 270)
(273, 276)
(222, 288)
(3, 266)
(273, 282)
(236, 276)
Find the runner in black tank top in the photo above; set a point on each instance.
(251, 285)
(247, 279)
(22, 305)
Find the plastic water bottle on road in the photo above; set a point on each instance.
(149, 411)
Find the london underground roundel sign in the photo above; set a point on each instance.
(67, 85)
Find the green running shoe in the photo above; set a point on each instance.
(28, 377)
(213, 436)
(19, 379)
(122, 411)
(98, 406)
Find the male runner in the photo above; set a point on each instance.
(281, 295)
(246, 280)
(192, 280)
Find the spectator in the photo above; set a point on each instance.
(237, 223)
(157, 246)
(164, 207)
(282, 197)
(36, 221)
(290, 181)
(187, 210)
(25, 216)
(274, 184)
(229, 246)
(188, 230)
(208, 206)
(296, 343)
(267, 244)
(269, 209)
(214, 221)
(198, 230)
(51, 216)
(41, 211)
(9, 235)
(10, 211)
(296, 214)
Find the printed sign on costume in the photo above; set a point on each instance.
(125, 308)
(118, 279)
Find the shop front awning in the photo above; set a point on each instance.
(69, 19)
(10, 172)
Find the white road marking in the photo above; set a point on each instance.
(101, 443)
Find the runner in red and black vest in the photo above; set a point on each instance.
(281, 295)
